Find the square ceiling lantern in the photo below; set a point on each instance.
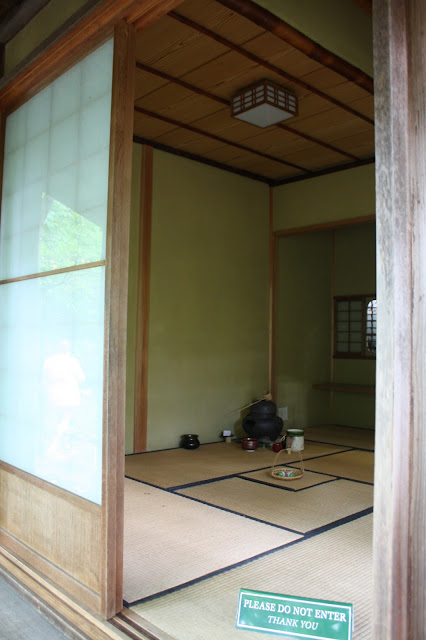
(264, 104)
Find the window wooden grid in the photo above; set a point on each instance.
(355, 321)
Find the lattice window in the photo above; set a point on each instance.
(355, 321)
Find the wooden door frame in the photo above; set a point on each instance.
(400, 470)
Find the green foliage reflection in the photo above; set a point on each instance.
(67, 238)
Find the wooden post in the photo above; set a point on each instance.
(143, 293)
(400, 474)
(116, 287)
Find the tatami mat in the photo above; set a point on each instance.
(355, 465)
(302, 512)
(176, 467)
(347, 436)
(331, 566)
(170, 540)
(308, 479)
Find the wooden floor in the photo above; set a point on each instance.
(219, 522)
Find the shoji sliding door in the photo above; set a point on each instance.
(63, 289)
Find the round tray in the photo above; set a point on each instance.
(283, 473)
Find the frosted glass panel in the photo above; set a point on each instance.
(54, 216)
(51, 378)
(55, 183)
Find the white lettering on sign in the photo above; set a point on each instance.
(284, 608)
(262, 606)
(285, 622)
(336, 616)
(302, 611)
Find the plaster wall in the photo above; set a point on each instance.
(330, 198)
(208, 345)
(303, 326)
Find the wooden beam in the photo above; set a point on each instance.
(267, 65)
(143, 297)
(325, 226)
(273, 260)
(116, 287)
(272, 23)
(212, 96)
(202, 159)
(224, 141)
(399, 558)
(84, 30)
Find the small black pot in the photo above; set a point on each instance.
(189, 441)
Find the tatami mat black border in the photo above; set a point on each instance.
(310, 534)
(237, 473)
(289, 486)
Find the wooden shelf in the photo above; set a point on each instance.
(342, 386)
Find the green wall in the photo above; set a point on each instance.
(208, 345)
(330, 198)
(303, 326)
(338, 25)
(355, 273)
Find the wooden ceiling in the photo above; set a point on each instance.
(190, 63)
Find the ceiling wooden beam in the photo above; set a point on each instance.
(267, 65)
(212, 96)
(225, 141)
(203, 159)
(272, 23)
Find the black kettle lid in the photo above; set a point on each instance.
(264, 406)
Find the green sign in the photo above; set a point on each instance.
(294, 617)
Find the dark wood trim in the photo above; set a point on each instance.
(326, 145)
(192, 156)
(326, 226)
(212, 96)
(273, 259)
(143, 302)
(116, 289)
(325, 172)
(213, 136)
(86, 29)
(267, 65)
(181, 83)
(54, 272)
(272, 23)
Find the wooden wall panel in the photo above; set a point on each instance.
(39, 521)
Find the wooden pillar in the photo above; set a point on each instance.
(400, 475)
